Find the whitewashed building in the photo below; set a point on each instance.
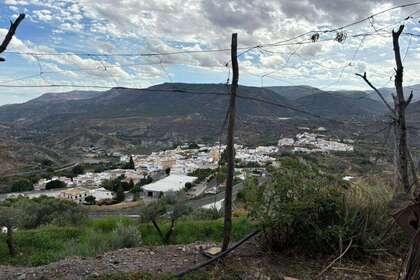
(101, 194)
(173, 182)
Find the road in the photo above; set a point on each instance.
(29, 173)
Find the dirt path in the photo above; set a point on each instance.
(146, 259)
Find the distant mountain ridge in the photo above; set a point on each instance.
(198, 99)
(67, 124)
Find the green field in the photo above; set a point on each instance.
(50, 243)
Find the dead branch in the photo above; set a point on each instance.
(364, 77)
(410, 98)
(12, 30)
(335, 260)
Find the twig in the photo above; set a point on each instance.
(364, 77)
(335, 260)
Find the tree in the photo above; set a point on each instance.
(168, 171)
(90, 200)
(136, 192)
(130, 164)
(193, 146)
(403, 162)
(46, 210)
(55, 184)
(120, 195)
(22, 186)
(188, 186)
(130, 185)
(77, 170)
(171, 205)
(9, 219)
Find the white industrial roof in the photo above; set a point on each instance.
(173, 182)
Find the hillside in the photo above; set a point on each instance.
(336, 104)
(173, 113)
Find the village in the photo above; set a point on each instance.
(173, 170)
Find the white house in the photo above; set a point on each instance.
(101, 194)
(174, 182)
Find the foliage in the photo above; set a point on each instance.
(168, 171)
(119, 194)
(172, 205)
(90, 200)
(46, 210)
(136, 190)
(193, 146)
(207, 214)
(201, 174)
(303, 207)
(9, 218)
(130, 164)
(126, 236)
(77, 170)
(22, 186)
(118, 186)
(51, 243)
(55, 184)
(188, 186)
(145, 181)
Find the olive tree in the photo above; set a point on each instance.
(170, 208)
(9, 218)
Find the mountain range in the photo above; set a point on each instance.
(170, 113)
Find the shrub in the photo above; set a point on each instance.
(22, 186)
(47, 210)
(55, 184)
(188, 186)
(90, 200)
(172, 205)
(207, 214)
(126, 236)
(303, 207)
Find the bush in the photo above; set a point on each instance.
(201, 174)
(90, 200)
(47, 210)
(303, 207)
(207, 214)
(22, 186)
(55, 184)
(126, 236)
(77, 170)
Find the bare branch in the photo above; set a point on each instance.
(11, 33)
(364, 77)
(410, 98)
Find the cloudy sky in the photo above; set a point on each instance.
(80, 42)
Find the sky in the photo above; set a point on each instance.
(104, 42)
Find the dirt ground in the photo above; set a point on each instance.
(248, 262)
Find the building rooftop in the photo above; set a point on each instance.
(173, 182)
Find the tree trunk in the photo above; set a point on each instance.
(412, 265)
(11, 242)
(227, 229)
(162, 238)
(400, 122)
(169, 233)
